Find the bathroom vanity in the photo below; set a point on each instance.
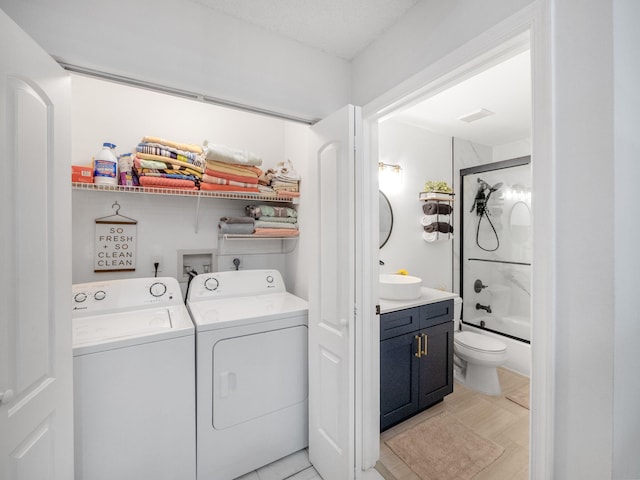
(416, 354)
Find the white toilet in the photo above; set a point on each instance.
(476, 357)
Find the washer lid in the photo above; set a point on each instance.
(105, 332)
(479, 342)
(227, 312)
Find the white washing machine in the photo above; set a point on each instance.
(252, 388)
(134, 381)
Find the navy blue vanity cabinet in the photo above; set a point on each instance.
(416, 360)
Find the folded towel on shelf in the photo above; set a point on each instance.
(171, 161)
(436, 208)
(221, 153)
(168, 152)
(229, 220)
(286, 173)
(230, 176)
(279, 185)
(257, 211)
(266, 218)
(225, 181)
(212, 187)
(180, 146)
(441, 227)
(242, 170)
(285, 193)
(235, 228)
(278, 225)
(266, 190)
(160, 182)
(276, 232)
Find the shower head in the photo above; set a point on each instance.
(483, 185)
(497, 186)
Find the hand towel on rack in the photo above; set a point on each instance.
(429, 219)
(441, 227)
(436, 208)
(436, 237)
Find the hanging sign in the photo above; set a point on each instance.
(115, 243)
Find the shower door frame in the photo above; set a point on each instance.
(487, 167)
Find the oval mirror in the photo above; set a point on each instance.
(520, 222)
(386, 218)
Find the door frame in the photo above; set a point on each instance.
(530, 25)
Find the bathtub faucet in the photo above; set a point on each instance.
(486, 308)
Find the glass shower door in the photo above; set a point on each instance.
(496, 246)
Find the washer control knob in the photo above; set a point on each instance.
(269, 279)
(211, 284)
(158, 289)
(80, 297)
(100, 295)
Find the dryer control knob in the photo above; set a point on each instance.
(269, 279)
(80, 297)
(100, 295)
(211, 284)
(158, 289)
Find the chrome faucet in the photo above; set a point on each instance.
(486, 308)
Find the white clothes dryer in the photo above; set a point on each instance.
(252, 388)
(134, 381)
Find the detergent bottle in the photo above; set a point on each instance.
(105, 165)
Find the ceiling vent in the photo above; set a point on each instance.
(476, 115)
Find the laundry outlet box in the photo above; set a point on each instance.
(81, 173)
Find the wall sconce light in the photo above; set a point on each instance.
(389, 177)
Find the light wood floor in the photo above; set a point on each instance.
(495, 418)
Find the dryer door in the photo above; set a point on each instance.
(258, 374)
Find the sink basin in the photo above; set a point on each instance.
(399, 287)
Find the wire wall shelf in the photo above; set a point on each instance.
(182, 193)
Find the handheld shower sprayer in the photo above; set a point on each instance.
(480, 206)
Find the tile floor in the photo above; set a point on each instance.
(293, 467)
(495, 418)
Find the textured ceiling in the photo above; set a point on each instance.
(342, 28)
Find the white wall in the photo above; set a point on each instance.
(104, 111)
(423, 156)
(583, 152)
(428, 32)
(626, 388)
(188, 46)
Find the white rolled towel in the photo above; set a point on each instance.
(436, 237)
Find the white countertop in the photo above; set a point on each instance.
(428, 295)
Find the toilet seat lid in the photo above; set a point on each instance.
(482, 343)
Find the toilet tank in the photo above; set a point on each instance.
(457, 313)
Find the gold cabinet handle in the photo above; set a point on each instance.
(419, 352)
(424, 352)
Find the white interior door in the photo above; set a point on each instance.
(36, 410)
(332, 297)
